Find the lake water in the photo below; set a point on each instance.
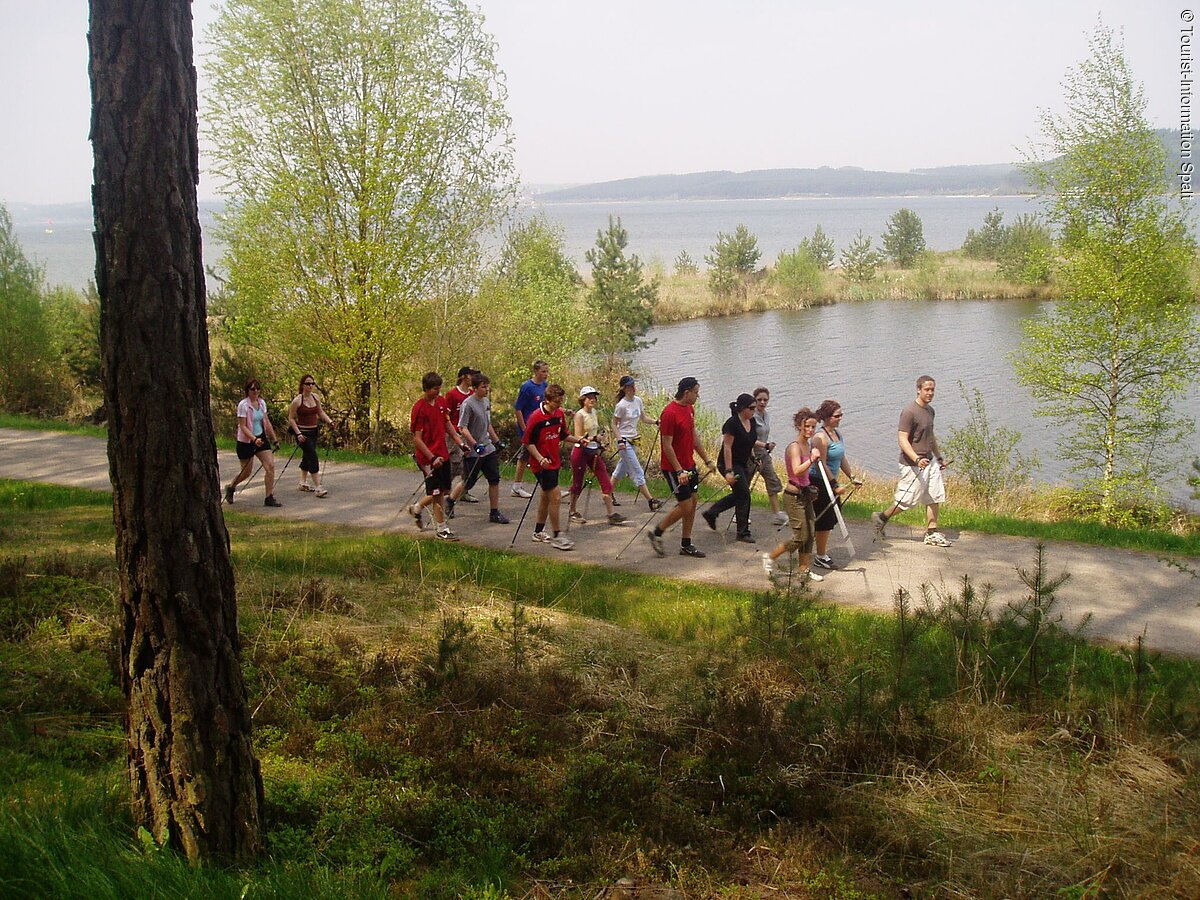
(658, 230)
(867, 356)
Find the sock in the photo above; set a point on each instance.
(658, 532)
(495, 510)
(540, 526)
(557, 533)
(884, 516)
(685, 542)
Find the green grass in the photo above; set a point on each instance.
(660, 733)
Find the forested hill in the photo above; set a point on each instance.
(848, 181)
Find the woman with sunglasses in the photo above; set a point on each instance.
(305, 416)
(255, 435)
(831, 454)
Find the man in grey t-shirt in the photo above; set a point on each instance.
(921, 466)
(482, 453)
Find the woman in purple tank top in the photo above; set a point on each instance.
(304, 420)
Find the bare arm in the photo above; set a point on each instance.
(293, 425)
(906, 448)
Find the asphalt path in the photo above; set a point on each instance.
(1119, 593)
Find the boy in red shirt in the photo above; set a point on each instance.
(431, 428)
(680, 442)
(545, 430)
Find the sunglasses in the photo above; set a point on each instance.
(308, 383)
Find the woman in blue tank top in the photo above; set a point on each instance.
(832, 454)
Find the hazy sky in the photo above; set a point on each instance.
(618, 89)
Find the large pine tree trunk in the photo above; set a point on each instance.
(196, 784)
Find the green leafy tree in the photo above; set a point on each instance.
(621, 301)
(1026, 251)
(860, 259)
(365, 150)
(74, 321)
(987, 455)
(1122, 346)
(797, 275)
(986, 242)
(685, 265)
(731, 262)
(29, 379)
(530, 305)
(820, 248)
(904, 239)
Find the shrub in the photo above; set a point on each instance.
(904, 239)
(732, 261)
(797, 275)
(985, 455)
(821, 248)
(860, 259)
(986, 243)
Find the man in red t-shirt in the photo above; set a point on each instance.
(680, 444)
(431, 428)
(454, 399)
(545, 430)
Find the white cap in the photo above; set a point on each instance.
(587, 389)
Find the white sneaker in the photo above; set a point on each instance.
(542, 537)
(562, 542)
(768, 565)
(811, 576)
(305, 486)
(781, 518)
(578, 519)
(446, 534)
(936, 539)
(519, 491)
(467, 498)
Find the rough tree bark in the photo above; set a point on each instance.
(196, 784)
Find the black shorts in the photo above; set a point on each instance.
(547, 479)
(826, 521)
(683, 492)
(438, 480)
(247, 451)
(487, 466)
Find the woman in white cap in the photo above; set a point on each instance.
(627, 414)
(587, 455)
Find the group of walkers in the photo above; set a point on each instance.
(455, 444)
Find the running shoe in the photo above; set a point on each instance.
(655, 504)
(879, 522)
(811, 576)
(562, 542)
(542, 537)
(768, 565)
(616, 502)
(936, 539)
(518, 491)
(415, 512)
(710, 519)
(322, 492)
(305, 486)
(578, 519)
(656, 542)
(271, 501)
(449, 508)
(229, 494)
(781, 518)
(692, 550)
(445, 534)
(467, 498)
(616, 519)
(498, 517)
(746, 537)
(825, 562)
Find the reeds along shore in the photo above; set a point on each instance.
(939, 276)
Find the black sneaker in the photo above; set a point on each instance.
(656, 542)
(746, 537)
(498, 517)
(271, 501)
(825, 562)
(693, 551)
(710, 519)
(655, 504)
(229, 494)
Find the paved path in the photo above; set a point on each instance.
(1125, 592)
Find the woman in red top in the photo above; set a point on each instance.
(545, 430)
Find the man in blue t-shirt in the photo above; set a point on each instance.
(529, 399)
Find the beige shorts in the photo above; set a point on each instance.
(920, 487)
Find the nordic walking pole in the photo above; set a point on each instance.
(654, 515)
(529, 503)
(837, 510)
